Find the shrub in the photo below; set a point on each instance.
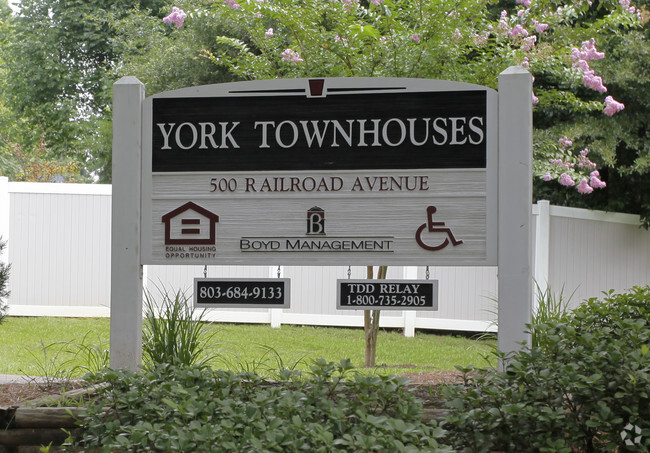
(586, 388)
(4, 280)
(180, 408)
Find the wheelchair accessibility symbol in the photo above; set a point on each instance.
(435, 227)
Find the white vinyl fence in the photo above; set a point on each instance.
(58, 244)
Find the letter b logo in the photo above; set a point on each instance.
(315, 221)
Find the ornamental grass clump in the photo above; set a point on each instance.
(550, 307)
(174, 332)
(585, 388)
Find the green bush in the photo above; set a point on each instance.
(330, 409)
(586, 388)
(4, 279)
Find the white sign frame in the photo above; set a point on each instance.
(513, 223)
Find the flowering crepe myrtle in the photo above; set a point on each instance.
(377, 38)
(291, 55)
(584, 187)
(612, 106)
(177, 17)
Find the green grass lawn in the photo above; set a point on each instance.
(240, 347)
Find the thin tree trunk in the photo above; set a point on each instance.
(369, 360)
(371, 323)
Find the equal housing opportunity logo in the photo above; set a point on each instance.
(190, 232)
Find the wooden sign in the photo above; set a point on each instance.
(387, 294)
(323, 172)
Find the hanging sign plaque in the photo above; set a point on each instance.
(242, 293)
(387, 295)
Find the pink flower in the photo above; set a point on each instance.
(457, 34)
(524, 2)
(269, 33)
(589, 52)
(529, 43)
(547, 177)
(535, 99)
(232, 3)
(626, 5)
(584, 187)
(291, 55)
(557, 162)
(565, 142)
(566, 180)
(594, 82)
(518, 30)
(612, 106)
(584, 162)
(503, 23)
(377, 2)
(177, 17)
(595, 182)
(540, 27)
(416, 38)
(525, 63)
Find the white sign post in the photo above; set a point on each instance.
(322, 172)
(126, 267)
(515, 277)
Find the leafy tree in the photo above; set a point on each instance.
(56, 60)
(466, 41)
(166, 58)
(7, 163)
(621, 144)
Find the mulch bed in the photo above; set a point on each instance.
(19, 394)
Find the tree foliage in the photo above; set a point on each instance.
(56, 58)
(621, 143)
